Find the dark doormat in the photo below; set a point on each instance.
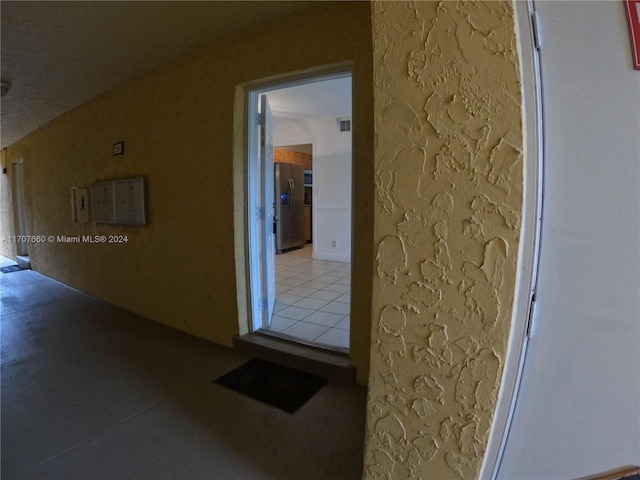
(11, 268)
(273, 384)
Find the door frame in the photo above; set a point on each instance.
(245, 178)
(526, 278)
(19, 211)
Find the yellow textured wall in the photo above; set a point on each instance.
(177, 124)
(448, 160)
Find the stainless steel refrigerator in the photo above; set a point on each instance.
(289, 200)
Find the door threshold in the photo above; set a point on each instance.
(325, 363)
(302, 341)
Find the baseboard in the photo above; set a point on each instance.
(332, 257)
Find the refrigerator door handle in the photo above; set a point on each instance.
(292, 190)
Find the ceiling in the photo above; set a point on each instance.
(58, 55)
(329, 97)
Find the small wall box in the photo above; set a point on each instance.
(122, 202)
(117, 149)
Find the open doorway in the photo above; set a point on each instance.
(22, 247)
(300, 289)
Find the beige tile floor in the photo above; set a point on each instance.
(313, 299)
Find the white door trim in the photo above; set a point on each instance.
(529, 238)
(245, 145)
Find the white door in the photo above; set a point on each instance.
(268, 248)
(578, 410)
(19, 209)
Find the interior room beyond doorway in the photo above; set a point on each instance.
(313, 300)
(299, 182)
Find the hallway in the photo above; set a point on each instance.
(95, 392)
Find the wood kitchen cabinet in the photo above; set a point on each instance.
(289, 156)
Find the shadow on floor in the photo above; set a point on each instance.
(95, 392)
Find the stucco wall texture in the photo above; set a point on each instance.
(178, 127)
(448, 193)
(449, 173)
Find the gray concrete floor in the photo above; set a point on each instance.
(91, 391)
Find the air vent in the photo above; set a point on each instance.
(344, 124)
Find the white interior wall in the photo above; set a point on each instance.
(578, 409)
(331, 181)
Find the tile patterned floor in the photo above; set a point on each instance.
(313, 299)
